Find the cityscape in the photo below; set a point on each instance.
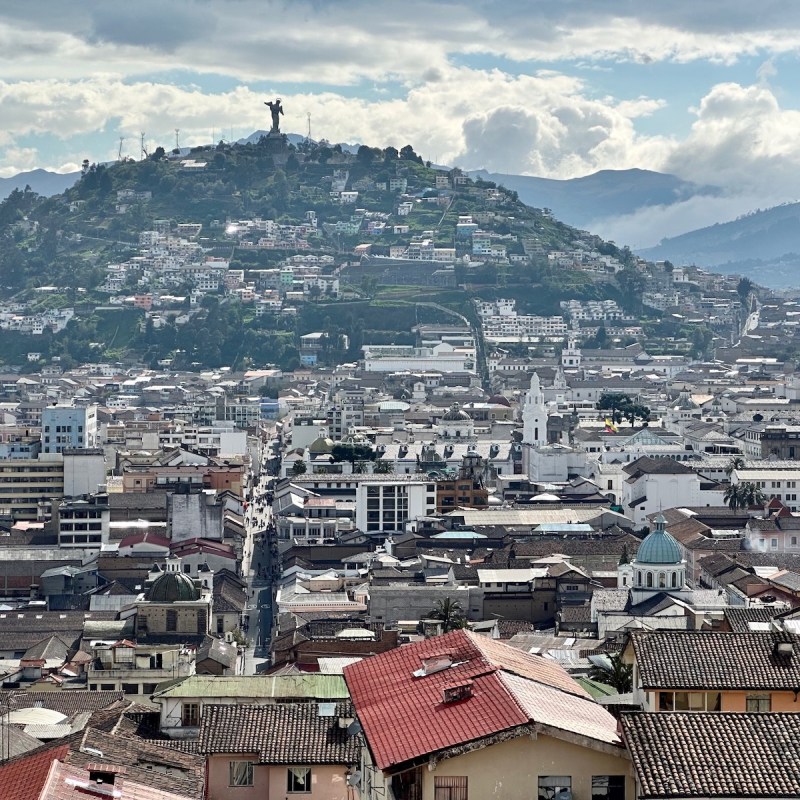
(355, 472)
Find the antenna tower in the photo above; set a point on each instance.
(141, 142)
(177, 139)
(309, 125)
(119, 152)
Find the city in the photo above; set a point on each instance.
(370, 472)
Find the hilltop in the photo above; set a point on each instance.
(99, 248)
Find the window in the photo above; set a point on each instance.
(450, 788)
(190, 715)
(298, 779)
(689, 701)
(240, 773)
(649, 580)
(555, 787)
(172, 619)
(773, 544)
(758, 703)
(608, 787)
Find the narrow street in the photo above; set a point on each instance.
(257, 570)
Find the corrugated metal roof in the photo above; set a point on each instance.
(316, 686)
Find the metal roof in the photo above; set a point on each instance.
(312, 686)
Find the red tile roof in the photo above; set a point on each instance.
(404, 716)
(23, 777)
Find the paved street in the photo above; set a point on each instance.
(257, 567)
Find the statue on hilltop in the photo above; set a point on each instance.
(276, 109)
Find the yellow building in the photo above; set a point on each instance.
(462, 716)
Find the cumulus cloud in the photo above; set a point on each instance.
(743, 140)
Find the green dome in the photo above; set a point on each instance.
(659, 547)
(171, 587)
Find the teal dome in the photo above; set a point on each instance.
(659, 547)
(171, 587)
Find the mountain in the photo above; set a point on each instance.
(764, 245)
(604, 194)
(41, 181)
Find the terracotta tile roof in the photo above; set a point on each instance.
(22, 778)
(714, 660)
(67, 782)
(144, 762)
(739, 618)
(404, 716)
(714, 755)
(290, 733)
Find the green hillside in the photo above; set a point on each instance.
(67, 242)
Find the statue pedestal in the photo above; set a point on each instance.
(277, 145)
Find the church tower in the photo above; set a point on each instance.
(534, 415)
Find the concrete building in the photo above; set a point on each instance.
(65, 427)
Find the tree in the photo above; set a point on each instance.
(744, 288)
(381, 467)
(354, 453)
(451, 614)
(736, 462)
(744, 495)
(617, 674)
(623, 406)
(299, 468)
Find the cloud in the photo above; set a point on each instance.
(647, 226)
(743, 140)
(357, 40)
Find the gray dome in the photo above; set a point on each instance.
(171, 587)
(455, 414)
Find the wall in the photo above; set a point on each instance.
(327, 781)
(510, 770)
(192, 516)
(393, 603)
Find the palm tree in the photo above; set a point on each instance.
(736, 462)
(451, 614)
(744, 495)
(618, 674)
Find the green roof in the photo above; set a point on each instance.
(283, 687)
(595, 688)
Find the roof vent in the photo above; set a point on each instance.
(784, 649)
(433, 664)
(456, 692)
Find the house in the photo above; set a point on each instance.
(714, 670)
(183, 702)
(656, 483)
(720, 756)
(256, 751)
(462, 715)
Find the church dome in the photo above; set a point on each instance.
(455, 414)
(659, 547)
(171, 587)
(320, 445)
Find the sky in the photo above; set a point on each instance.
(707, 91)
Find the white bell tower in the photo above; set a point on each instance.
(534, 415)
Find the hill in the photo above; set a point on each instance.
(163, 228)
(604, 194)
(764, 245)
(41, 181)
